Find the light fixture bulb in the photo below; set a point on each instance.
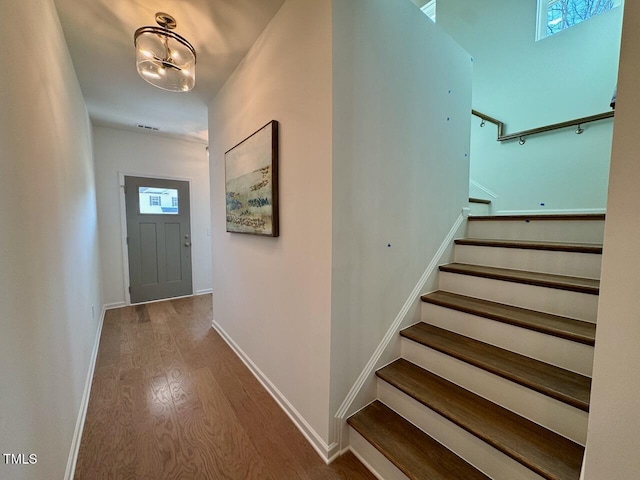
(164, 58)
(149, 74)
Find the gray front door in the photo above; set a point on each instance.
(158, 238)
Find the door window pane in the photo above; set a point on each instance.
(158, 201)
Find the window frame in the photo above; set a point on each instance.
(429, 9)
(542, 22)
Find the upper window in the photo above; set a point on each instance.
(429, 10)
(557, 15)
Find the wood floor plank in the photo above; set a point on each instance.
(236, 456)
(112, 316)
(148, 458)
(183, 388)
(161, 408)
(125, 431)
(546, 453)
(255, 409)
(98, 447)
(170, 400)
(197, 433)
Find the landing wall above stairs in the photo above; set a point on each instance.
(527, 84)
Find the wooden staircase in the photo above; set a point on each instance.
(495, 380)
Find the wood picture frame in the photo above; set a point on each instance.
(251, 184)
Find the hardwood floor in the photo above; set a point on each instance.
(170, 400)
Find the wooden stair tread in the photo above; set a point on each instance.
(533, 245)
(479, 200)
(568, 387)
(562, 327)
(414, 452)
(563, 216)
(562, 282)
(548, 454)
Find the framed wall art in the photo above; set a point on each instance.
(251, 183)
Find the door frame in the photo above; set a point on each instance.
(123, 228)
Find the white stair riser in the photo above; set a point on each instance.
(566, 303)
(561, 263)
(582, 231)
(552, 414)
(377, 463)
(479, 208)
(566, 354)
(478, 453)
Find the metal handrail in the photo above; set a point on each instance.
(546, 128)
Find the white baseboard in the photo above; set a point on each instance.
(111, 306)
(204, 291)
(84, 403)
(543, 211)
(392, 332)
(327, 452)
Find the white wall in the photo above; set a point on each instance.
(402, 93)
(272, 295)
(49, 256)
(527, 84)
(614, 421)
(374, 151)
(146, 154)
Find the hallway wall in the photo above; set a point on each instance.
(49, 253)
(272, 296)
(146, 154)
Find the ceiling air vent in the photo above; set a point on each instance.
(147, 127)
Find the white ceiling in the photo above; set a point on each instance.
(100, 38)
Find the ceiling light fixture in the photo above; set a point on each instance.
(165, 59)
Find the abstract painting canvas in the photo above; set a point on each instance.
(251, 181)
